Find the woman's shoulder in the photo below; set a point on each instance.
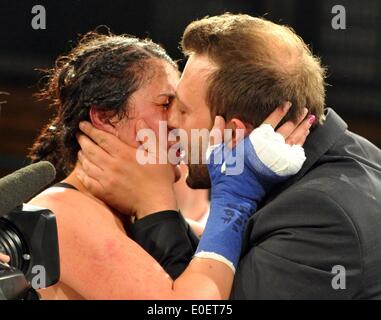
(61, 198)
(73, 205)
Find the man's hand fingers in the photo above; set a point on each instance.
(91, 184)
(107, 141)
(289, 127)
(91, 150)
(299, 135)
(278, 114)
(90, 168)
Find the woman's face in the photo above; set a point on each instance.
(150, 102)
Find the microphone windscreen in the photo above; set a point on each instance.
(23, 184)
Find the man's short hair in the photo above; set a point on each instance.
(261, 64)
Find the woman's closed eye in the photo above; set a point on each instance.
(168, 103)
(165, 106)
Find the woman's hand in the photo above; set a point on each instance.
(295, 133)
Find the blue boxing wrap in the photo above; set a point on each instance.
(235, 197)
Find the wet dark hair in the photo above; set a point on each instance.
(102, 71)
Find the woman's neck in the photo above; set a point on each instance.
(74, 181)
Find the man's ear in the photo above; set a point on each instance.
(239, 129)
(103, 120)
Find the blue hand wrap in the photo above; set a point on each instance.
(234, 199)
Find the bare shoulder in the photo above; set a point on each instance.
(73, 206)
(88, 232)
(84, 225)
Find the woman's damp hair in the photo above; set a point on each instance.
(102, 71)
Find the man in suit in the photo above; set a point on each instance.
(317, 236)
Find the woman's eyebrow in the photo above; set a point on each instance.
(167, 94)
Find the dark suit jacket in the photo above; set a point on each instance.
(328, 215)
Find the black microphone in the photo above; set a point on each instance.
(23, 184)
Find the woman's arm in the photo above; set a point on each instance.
(99, 261)
(168, 238)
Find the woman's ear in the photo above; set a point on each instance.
(239, 129)
(103, 120)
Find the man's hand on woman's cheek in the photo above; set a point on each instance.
(110, 171)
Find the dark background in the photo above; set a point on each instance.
(353, 56)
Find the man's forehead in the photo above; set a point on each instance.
(199, 65)
(196, 72)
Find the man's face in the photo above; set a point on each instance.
(190, 111)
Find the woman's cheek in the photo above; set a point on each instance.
(127, 133)
(157, 120)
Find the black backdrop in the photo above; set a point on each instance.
(352, 55)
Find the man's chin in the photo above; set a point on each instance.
(198, 176)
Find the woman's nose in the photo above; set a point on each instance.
(172, 119)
